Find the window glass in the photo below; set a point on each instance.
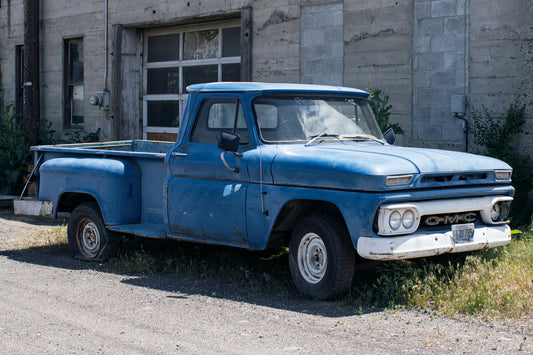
(163, 113)
(200, 74)
(75, 62)
(162, 81)
(164, 48)
(200, 45)
(216, 116)
(177, 57)
(231, 42)
(231, 72)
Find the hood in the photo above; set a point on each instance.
(365, 166)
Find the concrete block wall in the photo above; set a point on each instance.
(419, 52)
(440, 70)
(321, 47)
(378, 53)
(501, 59)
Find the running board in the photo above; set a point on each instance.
(139, 229)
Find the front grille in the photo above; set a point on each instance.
(429, 179)
(447, 219)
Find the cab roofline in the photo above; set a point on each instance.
(275, 88)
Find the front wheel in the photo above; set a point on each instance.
(321, 257)
(88, 238)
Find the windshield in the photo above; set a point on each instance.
(285, 119)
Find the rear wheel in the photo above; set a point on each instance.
(88, 238)
(321, 257)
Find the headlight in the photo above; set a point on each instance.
(395, 220)
(500, 211)
(495, 212)
(408, 219)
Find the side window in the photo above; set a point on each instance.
(216, 116)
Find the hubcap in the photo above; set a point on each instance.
(89, 239)
(312, 258)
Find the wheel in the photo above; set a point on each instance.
(88, 238)
(321, 257)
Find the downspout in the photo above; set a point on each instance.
(106, 51)
(103, 98)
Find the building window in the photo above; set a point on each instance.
(74, 88)
(178, 57)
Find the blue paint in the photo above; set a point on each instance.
(143, 188)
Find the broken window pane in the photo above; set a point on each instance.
(163, 113)
(200, 45)
(164, 48)
(162, 81)
(199, 74)
(231, 42)
(231, 72)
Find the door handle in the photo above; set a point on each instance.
(179, 154)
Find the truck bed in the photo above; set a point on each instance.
(138, 148)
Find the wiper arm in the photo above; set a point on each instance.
(361, 137)
(321, 135)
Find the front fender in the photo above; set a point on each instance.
(114, 183)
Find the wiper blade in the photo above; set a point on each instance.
(321, 135)
(361, 137)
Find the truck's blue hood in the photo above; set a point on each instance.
(366, 165)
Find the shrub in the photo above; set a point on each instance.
(14, 152)
(495, 136)
(382, 111)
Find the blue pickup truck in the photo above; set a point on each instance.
(256, 165)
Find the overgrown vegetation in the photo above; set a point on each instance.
(382, 111)
(495, 135)
(495, 283)
(15, 154)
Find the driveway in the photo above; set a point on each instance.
(50, 303)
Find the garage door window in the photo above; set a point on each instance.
(178, 57)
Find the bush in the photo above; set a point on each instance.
(14, 152)
(382, 111)
(495, 136)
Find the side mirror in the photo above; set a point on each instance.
(389, 136)
(229, 142)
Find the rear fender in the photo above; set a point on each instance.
(114, 184)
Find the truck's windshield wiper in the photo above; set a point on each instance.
(361, 137)
(321, 135)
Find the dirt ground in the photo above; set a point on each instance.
(50, 303)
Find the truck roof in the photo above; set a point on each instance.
(275, 88)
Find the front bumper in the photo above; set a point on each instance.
(421, 244)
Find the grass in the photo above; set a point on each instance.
(494, 283)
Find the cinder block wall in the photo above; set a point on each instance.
(419, 52)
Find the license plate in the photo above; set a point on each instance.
(463, 233)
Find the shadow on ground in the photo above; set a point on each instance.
(185, 269)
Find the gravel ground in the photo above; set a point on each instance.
(50, 303)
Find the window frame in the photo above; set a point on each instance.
(182, 95)
(67, 85)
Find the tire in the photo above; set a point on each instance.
(88, 238)
(321, 257)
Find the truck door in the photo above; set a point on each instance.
(207, 196)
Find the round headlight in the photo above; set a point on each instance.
(504, 210)
(495, 212)
(408, 219)
(395, 220)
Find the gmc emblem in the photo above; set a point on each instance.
(468, 217)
